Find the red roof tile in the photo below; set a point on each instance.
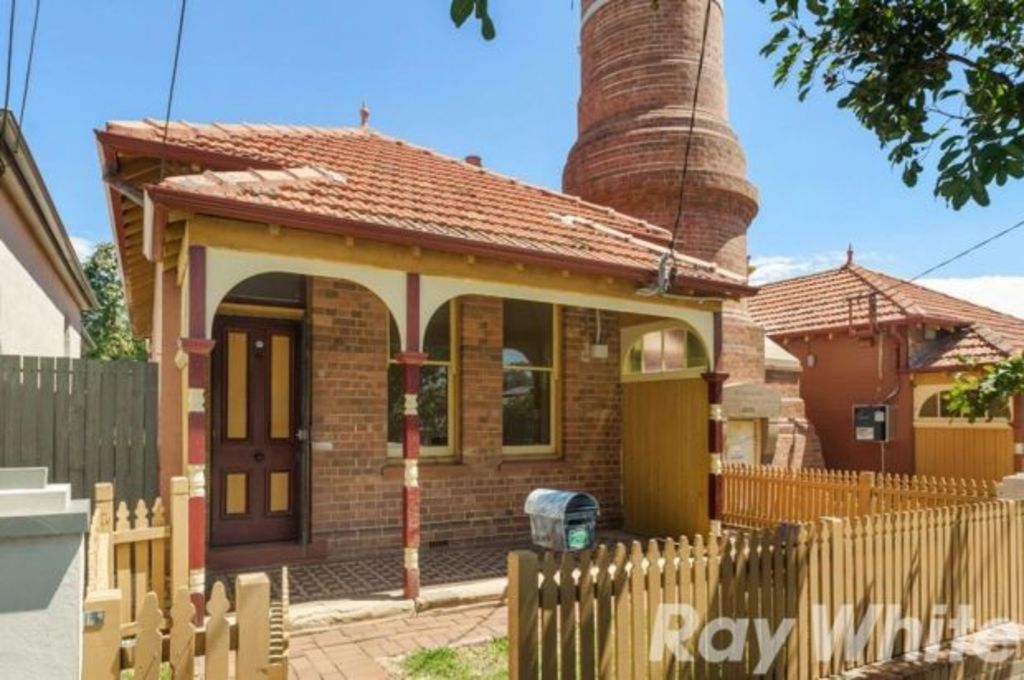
(359, 175)
(840, 298)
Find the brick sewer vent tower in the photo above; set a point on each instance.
(639, 73)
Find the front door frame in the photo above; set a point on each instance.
(263, 318)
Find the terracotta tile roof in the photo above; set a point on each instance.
(359, 175)
(838, 298)
(975, 344)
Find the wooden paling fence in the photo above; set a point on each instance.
(763, 496)
(85, 420)
(137, 553)
(596, 614)
(251, 643)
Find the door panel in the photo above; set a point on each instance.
(255, 458)
(665, 462)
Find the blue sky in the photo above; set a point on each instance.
(823, 180)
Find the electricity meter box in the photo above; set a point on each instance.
(562, 520)
(872, 423)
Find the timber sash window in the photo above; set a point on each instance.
(529, 377)
(436, 399)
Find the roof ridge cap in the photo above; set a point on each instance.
(869, 276)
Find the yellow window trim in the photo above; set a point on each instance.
(962, 423)
(552, 448)
(682, 374)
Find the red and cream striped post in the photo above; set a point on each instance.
(194, 358)
(411, 360)
(716, 430)
(1018, 433)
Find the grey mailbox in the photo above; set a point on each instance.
(562, 520)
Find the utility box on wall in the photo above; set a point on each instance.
(872, 423)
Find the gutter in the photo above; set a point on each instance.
(230, 208)
(33, 187)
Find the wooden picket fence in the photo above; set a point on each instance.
(594, 615)
(140, 552)
(250, 643)
(85, 420)
(763, 496)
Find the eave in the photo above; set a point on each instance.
(171, 199)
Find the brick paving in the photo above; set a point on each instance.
(367, 649)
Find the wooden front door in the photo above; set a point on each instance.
(254, 489)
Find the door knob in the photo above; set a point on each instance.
(258, 456)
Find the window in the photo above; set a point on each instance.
(934, 408)
(529, 378)
(436, 402)
(664, 351)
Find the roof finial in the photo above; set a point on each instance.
(364, 116)
(849, 255)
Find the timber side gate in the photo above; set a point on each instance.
(86, 420)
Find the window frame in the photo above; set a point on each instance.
(631, 335)
(924, 393)
(553, 448)
(451, 450)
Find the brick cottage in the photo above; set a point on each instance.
(366, 346)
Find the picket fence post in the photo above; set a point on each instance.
(101, 638)
(252, 604)
(865, 490)
(523, 592)
(179, 534)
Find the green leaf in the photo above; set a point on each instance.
(462, 10)
(487, 28)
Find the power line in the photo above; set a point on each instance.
(28, 73)
(689, 135)
(174, 77)
(950, 260)
(10, 59)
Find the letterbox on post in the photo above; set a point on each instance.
(562, 520)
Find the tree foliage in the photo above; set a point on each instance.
(939, 82)
(462, 10)
(973, 395)
(107, 323)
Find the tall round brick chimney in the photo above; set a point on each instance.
(639, 71)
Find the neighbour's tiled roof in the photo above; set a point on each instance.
(359, 175)
(840, 298)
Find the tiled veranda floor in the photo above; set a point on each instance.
(338, 579)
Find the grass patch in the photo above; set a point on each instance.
(488, 661)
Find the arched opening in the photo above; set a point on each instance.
(662, 349)
(664, 429)
(437, 401)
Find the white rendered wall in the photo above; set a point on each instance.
(41, 608)
(37, 315)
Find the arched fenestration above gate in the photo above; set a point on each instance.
(662, 350)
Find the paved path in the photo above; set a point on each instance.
(359, 650)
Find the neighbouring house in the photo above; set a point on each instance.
(365, 345)
(43, 290)
(864, 337)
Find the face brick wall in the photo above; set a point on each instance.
(356, 503)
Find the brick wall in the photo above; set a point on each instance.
(356, 504)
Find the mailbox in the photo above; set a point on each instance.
(562, 520)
